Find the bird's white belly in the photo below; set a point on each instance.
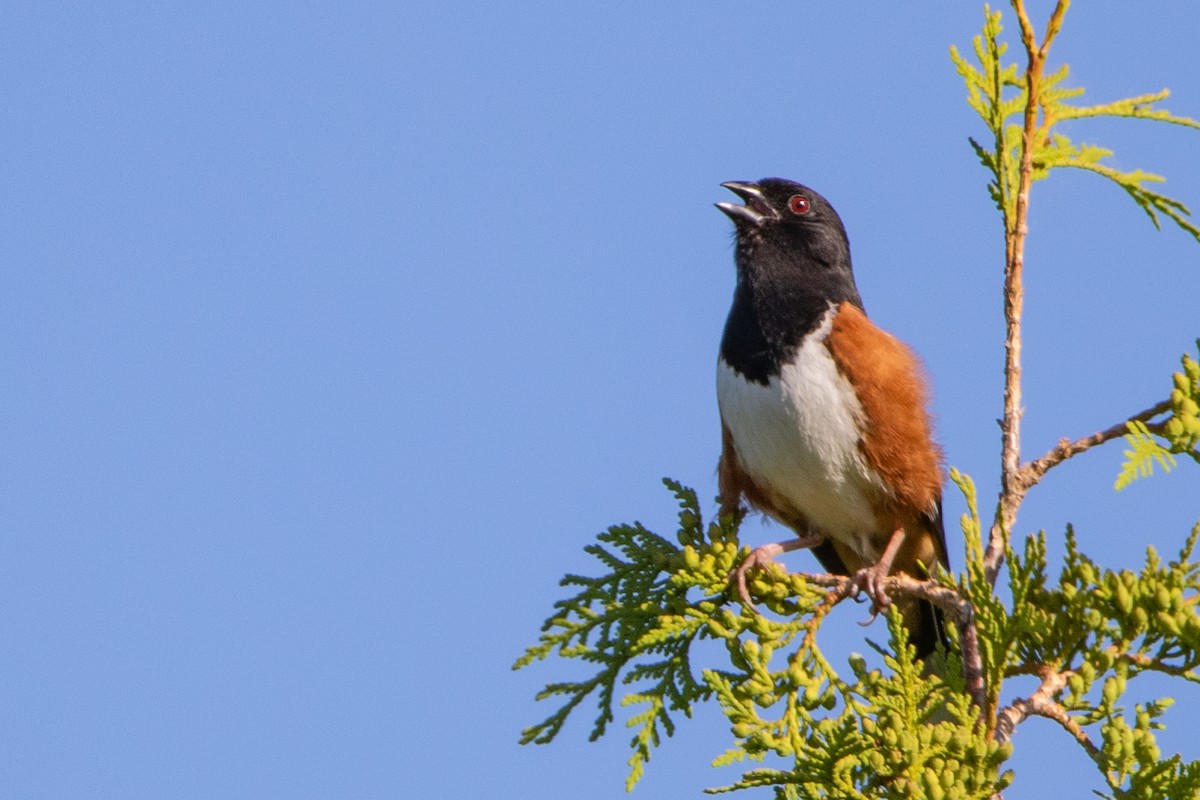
(798, 439)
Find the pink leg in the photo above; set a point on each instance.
(869, 580)
(761, 556)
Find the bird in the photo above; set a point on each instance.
(825, 422)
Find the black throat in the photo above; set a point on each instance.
(775, 305)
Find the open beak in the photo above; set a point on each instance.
(755, 212)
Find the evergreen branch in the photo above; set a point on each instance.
(986, 609)
(1022, 154)
(1131, 108)
(1108, 626)
(905, 733)
(894, 729)
(1182, 430)
(637, 622)
(986, 88)
(1016, 230)
(1152, 203)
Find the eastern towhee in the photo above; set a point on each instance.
(824, 417)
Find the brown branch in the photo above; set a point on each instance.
(972, 658)
(1054, 711)
(1016, 231)
(1042, 704)
(948, 599)
(942, 596)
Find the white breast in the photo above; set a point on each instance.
(798, 438)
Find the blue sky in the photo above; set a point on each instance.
(333, 332)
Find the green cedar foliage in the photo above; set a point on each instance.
(806, 727)
(1179, 434)
(852, 731)
(997, 93)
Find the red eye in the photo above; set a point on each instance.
(798, 204)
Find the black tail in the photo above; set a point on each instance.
(930, 630)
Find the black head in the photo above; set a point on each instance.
(793, 263)
(791, 237)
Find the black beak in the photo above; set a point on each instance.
(756, 211)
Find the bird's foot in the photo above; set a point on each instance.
(763, 556)
(869, 581)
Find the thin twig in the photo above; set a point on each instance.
(1146, 663)
(1052, 710)
(1033, 471)
(1042, 704)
